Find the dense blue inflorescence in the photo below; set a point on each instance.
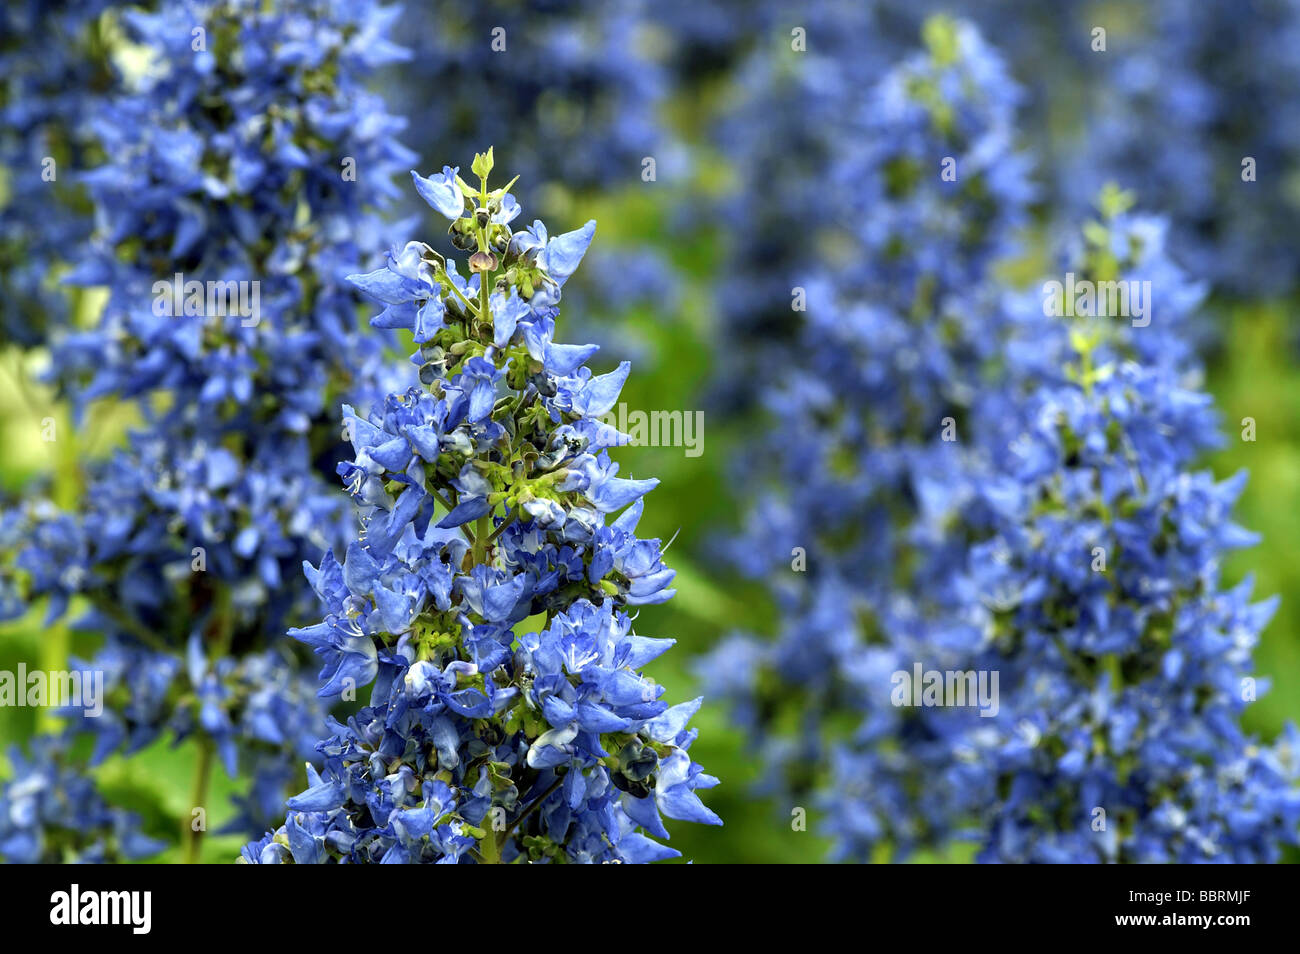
(487, 596)
(571, 93)
(950, 475)
(53, 814)
(1094, 548)
(948, 456)
(1208, 85)
(1167, 98)
(245, 169)
(893, 345)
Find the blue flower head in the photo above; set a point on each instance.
(901, 325)
(485, 597)
(50, 813)
(187, 545)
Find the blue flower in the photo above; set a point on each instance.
(187, 544)
(484, 502)
(899, 334)
(51, 814)
(441, 192)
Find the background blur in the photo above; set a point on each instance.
(588, 91)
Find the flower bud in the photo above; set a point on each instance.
(462, 235)
(482, 262)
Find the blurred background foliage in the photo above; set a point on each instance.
(674, 340)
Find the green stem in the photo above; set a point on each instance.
(442, 499)
(484, 286)
(510, 518)
(468, 304)
(220, 634)
(482, 530)
(491, 849)
(192, 839)
(1086, 372)
(492, 843)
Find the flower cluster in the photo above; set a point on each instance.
(1211, 84)
(1094, 550)
(486, 596)
(585, 89)
(245, 169)
(51, 814)
(950, 473)
(1209, 81)
(890, 356)
(977, 485)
